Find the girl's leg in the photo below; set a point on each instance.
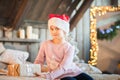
(84, 76)
(68, 78)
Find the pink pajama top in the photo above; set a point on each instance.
(59, 58)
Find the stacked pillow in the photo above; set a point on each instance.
(87, 68)
(11, 56)
(2, 48)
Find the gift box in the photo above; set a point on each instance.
(23, 69)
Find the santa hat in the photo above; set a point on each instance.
(60, 21)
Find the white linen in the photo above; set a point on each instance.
(10, 56)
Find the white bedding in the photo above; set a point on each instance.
(91, 70)
(19, 78)
(105, 76)
(95, 76)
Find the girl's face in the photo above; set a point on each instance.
(56, 33)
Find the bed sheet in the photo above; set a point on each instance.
(95, 76)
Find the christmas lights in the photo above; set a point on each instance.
(93, 32)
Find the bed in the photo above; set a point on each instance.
(2, 77)
(95, 76)
(105, 76)
(91, 70)
(20, 57)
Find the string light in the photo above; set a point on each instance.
(93, 33)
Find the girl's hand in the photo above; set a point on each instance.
(44, 68)
(40, 75)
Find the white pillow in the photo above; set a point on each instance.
(14, 56)
(2, 48)
(76, 59)
(87, 68)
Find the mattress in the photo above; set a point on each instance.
(95, 76)
(2, 77)
(105, 76)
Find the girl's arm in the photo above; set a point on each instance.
(64, 65)
(41, 55)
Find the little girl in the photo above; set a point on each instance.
(58, 54)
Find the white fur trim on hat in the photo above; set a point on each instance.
(62, 24)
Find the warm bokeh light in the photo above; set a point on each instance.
(93, 33)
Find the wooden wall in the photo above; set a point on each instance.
(12, 41)
(80, 34)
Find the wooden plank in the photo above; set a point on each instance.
(86, 4)
(3, 21)
(48, 35)
(11, 11)
(19, 46)
(9, 45)
(51, 6)
(114, 2)
(33, 50)
(43, 34)
(20, 40)
(72, 7)
(79, 38)
(15, 7)
(1, 32)
(16, 44)
(22, 11)
(42, 25)
(35, 30)
(63, 6)
(8, 34)
(35, 33)
(86, 35)
(15, 34)
(6, 9)
(36, 9)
